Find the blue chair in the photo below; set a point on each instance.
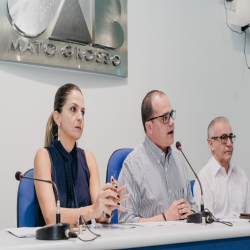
(114, 168)
(192, 186)
(26, 202)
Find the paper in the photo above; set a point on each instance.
(159, 223)
(111, 226)
(23, 232)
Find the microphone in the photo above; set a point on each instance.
(201, 217)
(58, 231)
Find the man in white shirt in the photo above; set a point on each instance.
(225, 186)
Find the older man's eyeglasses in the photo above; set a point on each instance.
(225, 137)
(166, 117)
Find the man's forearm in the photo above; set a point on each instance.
(158, 217)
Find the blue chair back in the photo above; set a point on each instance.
(114, 168)
(26, 202)
(192, 186)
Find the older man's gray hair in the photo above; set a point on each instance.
(210, 129)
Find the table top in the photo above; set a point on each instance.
(150, 235)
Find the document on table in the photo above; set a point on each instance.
(29, 232)
(159, 223)
(23, 232)
(111, 226)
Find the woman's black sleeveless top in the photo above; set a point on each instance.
(71, 175)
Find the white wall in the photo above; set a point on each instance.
(183, 48)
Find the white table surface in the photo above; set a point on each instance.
(135, 237)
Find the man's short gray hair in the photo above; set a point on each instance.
(210, 129)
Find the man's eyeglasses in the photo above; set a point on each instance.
(225, 137)
(166, 117)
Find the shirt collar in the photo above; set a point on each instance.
(216, 167)
(232, 168)
(155, 150)
(69, 156)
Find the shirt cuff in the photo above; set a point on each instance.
(194, 208)
(132, 220)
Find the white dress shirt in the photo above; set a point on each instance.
(225, 195)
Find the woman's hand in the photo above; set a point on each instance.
(107, 196)
(119, 192)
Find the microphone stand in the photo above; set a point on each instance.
(58, 212)
(56, 231)
(202, 216)
(202, 200)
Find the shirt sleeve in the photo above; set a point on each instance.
(131, 204)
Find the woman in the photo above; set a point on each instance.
(74, 170)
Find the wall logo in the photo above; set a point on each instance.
(88, 34)
(30, 18)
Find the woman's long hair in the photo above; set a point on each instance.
(60, 100)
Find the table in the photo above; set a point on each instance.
(181, 236)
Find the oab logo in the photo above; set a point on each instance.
(30, 18)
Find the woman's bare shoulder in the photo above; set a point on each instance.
(42, 153)
(89, 155)
(90, 160)
(42, 159)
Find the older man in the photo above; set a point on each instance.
(155, 174)
(225, 186)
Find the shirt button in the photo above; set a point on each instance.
(158, 161)
(170, 191)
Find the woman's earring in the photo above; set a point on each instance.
(58, 134)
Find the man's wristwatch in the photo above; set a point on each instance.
(107, 215)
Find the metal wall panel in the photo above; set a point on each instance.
(87, 35)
